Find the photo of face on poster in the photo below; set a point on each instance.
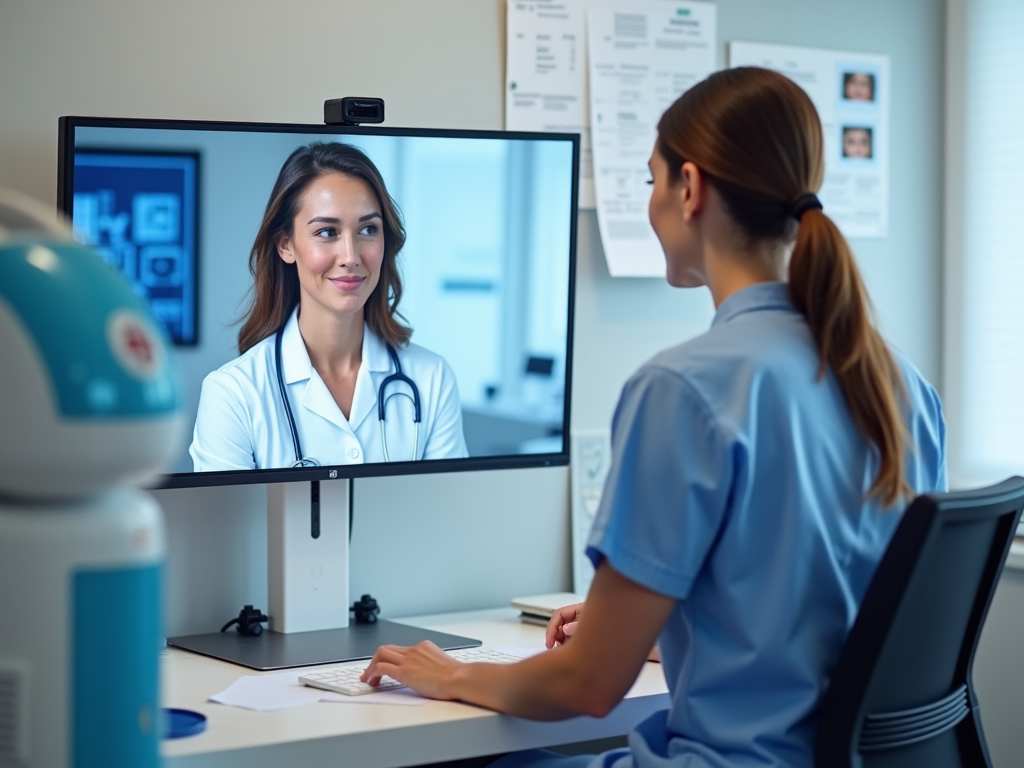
(851, 91)
(858, 86)
(857, 142)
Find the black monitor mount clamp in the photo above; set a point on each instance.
(249, 622)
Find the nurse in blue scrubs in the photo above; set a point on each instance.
(758, 471)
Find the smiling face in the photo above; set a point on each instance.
(856, 142)
(859, 87)
(337, 244)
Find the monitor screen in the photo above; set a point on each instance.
(344, 301)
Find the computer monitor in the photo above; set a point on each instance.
(471, 294)
(486, 274)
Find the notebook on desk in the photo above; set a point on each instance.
(539, 609)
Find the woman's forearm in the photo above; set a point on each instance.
(587, 676)
(550, 686)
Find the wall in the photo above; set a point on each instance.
(277, 62)
(274, 62)
(476, 539)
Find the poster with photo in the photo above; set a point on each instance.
(851, 93)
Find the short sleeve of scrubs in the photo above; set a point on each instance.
(668, 486)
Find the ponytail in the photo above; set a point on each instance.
(825, 285)
(758, 140)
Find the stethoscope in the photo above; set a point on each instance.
(382, 403)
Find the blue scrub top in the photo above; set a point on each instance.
(738, 487)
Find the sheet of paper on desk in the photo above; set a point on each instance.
(522, 653)
(267, 693)
(643, 56)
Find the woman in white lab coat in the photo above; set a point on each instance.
(326, 291)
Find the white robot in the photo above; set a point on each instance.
(88, 409)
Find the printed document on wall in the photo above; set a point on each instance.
(590, 460)
(643, 56)
(851, 93)
(546, 76)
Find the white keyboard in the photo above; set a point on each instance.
(346, 679)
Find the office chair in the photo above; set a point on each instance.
(901, 693)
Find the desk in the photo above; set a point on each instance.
(368, 736)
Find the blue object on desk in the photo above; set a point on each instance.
(179, 723)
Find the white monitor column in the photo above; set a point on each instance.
(307, 556)
(307, 538)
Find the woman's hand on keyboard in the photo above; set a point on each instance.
(423, 667)
(562, 625)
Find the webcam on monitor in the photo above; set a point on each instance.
(353, 110)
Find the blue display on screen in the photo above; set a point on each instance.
(139, 211)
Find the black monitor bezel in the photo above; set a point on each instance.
(66, 127)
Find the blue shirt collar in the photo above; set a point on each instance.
(754, 298)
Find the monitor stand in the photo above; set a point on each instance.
(307, 542)
(278, 650)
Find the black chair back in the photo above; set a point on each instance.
(901, 693)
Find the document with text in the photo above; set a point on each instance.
(546, 76)
(642, 56)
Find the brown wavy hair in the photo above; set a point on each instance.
(757, 138)
(275, 291)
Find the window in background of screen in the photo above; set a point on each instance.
(486, 266)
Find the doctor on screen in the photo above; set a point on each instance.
(326, 373)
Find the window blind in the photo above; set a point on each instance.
(991, 357)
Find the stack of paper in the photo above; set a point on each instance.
(540, 608)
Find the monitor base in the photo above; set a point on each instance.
(276, 650)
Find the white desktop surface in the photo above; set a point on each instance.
(369, 735)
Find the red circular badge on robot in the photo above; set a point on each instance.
(134, 344)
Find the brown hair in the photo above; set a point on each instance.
(757, 138)
(275, 291)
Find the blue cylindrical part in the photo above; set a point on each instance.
(116, 639)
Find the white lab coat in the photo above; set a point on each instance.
(242, 424)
